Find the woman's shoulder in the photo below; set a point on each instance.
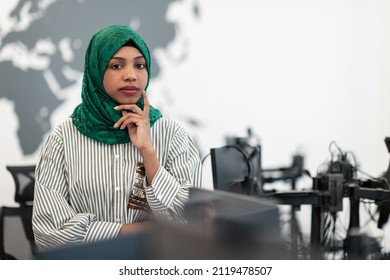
(64, 127)
(168, 124)
(65, 124)
(171, 130)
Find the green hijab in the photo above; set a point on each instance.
(95, 115)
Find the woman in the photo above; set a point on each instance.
(116, 162)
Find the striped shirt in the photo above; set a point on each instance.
(83, 186)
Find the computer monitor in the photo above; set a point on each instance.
(384, 207)
(236, 168)
(239, 226)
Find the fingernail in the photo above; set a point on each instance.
(116, 125)
(116, 108)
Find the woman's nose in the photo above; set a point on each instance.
(129, 75)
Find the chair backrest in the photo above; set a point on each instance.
(16, 234)
(24, 178)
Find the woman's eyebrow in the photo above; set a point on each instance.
(118, 58)
(139, 57)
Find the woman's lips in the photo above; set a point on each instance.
(129, 90)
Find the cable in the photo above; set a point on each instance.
(354, 158)
(244, 153)
(204, 158)
(337, 147)
(368, 211)
(247, 158)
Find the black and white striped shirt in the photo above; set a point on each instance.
(83, 186)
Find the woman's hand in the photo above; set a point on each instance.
(137, 123)
(134, 228)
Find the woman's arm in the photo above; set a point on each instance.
(55, 222)
(167, 186)
(169, 190)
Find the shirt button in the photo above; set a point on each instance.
(117, 188)
(118, 220)
(116, 156)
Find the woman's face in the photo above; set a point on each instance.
(126, 76)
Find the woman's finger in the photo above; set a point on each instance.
(146, 103)
(127, 119)
(128, 107)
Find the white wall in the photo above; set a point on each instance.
(299, 73)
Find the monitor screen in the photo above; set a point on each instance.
(236, 168)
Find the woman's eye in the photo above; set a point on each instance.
(141, 65)
(116, 66)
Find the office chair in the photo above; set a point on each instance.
(16, 235)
